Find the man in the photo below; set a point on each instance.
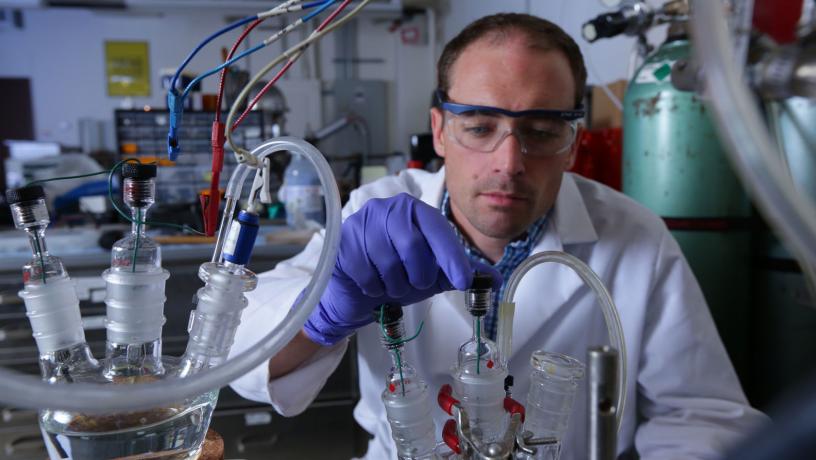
(509, 87)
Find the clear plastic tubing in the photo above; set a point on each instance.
(751, 150)
(610, 313)
(20, 390)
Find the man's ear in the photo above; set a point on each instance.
(573, 151)
(437, 127)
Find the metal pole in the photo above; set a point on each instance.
(602, 434)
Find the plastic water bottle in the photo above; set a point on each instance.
(301, 193)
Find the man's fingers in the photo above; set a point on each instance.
(411, 246)
(446, 247)
(384, 256)
(353, 260)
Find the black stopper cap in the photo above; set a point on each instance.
(138, 171)
(482, 280)
(19, 195)
(392, 312)
(508, 382)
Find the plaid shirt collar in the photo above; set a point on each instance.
(521, 246)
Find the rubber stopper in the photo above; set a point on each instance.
(138, 171)
(19, 195)
(392, 312)
(482, 280)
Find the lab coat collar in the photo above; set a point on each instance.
(570, 218)
(570, 222)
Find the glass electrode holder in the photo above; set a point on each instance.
(215, 320)
(478, 378)
(135, 288)
(30, 214)
(137, 252)
(553, 384)
(405, 397)
(51, 302)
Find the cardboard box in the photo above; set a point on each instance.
(603, 112)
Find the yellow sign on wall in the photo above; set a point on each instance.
(127, 68)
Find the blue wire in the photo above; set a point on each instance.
(218, 69)
(306, 6)
(322, 8)
(323, 5)
(201, 45)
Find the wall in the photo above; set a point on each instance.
(606, 60)
(62, 52)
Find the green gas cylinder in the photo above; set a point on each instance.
(784, 309)
(792, 123)
(674, 164)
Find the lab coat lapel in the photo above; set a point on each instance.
(444, 314)
(550, 287)
(432, 188)
(447, 323)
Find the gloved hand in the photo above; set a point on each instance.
(396, 249)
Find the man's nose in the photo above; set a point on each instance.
(508, 157)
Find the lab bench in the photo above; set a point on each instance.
(250, 430)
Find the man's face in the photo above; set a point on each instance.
(500, 194)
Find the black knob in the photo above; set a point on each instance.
(482, 280)
(508, 382)
(138, 171)
(391, 312)
(605, 26)
(19, 195)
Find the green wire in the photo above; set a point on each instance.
(39, 252)
(110, 173)
(40, 181)
(397, 343)
(138, 231)
(130, 219)
(478, 343)
(399, 366)
(36, 235)
(389, 339)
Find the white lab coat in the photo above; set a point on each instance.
(683, 397)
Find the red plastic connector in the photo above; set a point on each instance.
(213, 201)
(514, 407)
(451, 437)
(446, 400)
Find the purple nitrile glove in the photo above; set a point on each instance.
(393, 250)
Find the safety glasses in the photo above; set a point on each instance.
(540, 132)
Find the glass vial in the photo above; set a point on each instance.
(137, 252)
(479, 373)
(51, 302)
(405, 396)
(135, 288)
(553, 383)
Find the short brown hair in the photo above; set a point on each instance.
(542, 34)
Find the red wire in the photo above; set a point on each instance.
(286, 67)
(213, 201)
(334, 14)
(261, 93)
(224, 70)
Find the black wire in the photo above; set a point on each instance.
(110, 173)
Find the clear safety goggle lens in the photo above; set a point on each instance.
(538, 136)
